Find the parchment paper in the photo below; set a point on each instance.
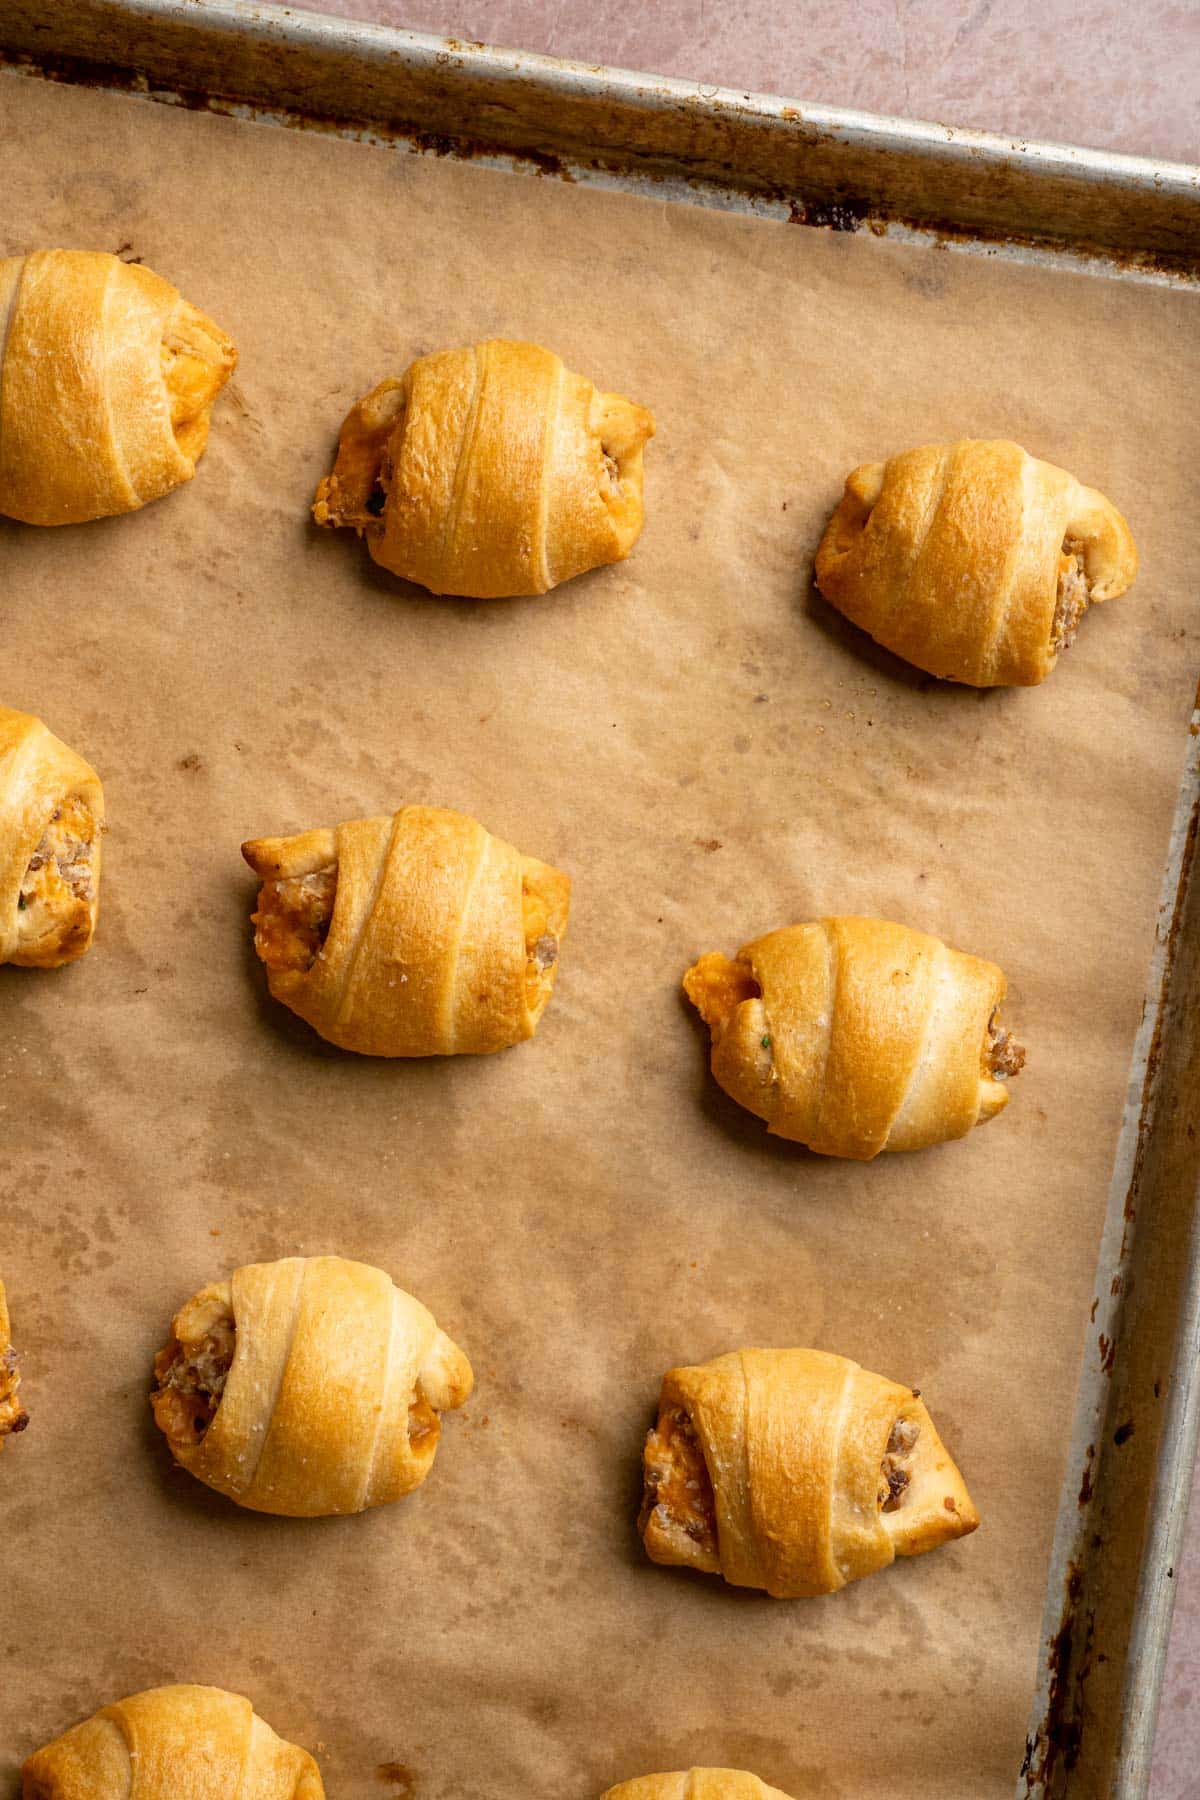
(711, 752)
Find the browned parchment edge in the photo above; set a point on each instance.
(1124, 1500)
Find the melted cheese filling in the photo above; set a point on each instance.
(678, 1519)
(196, 362)
(716, 986)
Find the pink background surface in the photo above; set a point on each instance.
(1113, 74)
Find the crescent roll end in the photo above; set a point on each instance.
(1107, 550)
(678, 1518)
(295, 903)
(283, 858)
(621, 431)
(862, 489)
(355, 491)
(51, 825)
(198, 358)
(1002, 1056)
(13, 1417)
(936, 1505)
(545, 905)
(445, 1377)
(727, 995)
(193, 1367)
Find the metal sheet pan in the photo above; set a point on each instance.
(1109, 1594)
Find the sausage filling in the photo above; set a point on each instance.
(293, 919)
(1074, 595)
(57, 892)
(896, 1469)
(13, 1417)
(193, 1368)
(678, 1519)
(1003, 1055)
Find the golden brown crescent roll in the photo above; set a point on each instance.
(973, 560)
(51, 818)
(489, 471)
(696, 1784)
(795, 1471)
(107, 380)
(855, 1035)
(13, 1417)
(415, 935)
(306, 1387)
(172, 1743)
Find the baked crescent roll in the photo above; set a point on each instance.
(106, 385)
(696, 1784)
(415, 935)
(855, 1036)
(172, 1743)
(489, 471)
(13, 1417)
(973, 560)
(51, 818)
(795, 1471)
(307, 1387)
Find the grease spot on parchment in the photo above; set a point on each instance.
(399, 1777)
